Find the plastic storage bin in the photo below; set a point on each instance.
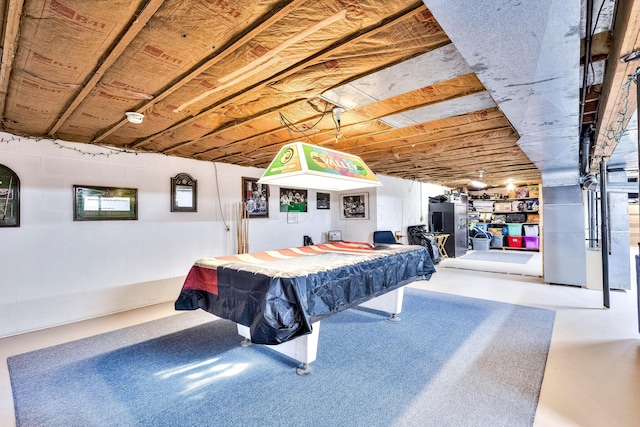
(497, 241)
(480, 243)
(481, 240)
(502, 207)
(483, 206)
(532, 242)
(514, 241)
(484, 227)
(514, 229)
(530, 229)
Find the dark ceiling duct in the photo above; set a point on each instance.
(585, 150)
(588, 181)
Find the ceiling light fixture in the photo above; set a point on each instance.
(478, 185)
(337, 112)
(135, 118)
(304, 165)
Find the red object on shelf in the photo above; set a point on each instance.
(514, 241)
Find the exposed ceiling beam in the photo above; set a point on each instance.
(9, 37)
(313, 59)
(442, 91)
(618, 101)
(232, 125)
(134, 28)
(223, 53)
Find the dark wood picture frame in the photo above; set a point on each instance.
(9, 198)
(255, 197)
(94, 203)
(184, 193)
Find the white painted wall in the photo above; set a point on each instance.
(56, 270)
(396, 205)
(403, 203)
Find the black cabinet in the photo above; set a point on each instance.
(451, 219)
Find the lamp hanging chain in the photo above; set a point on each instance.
(291, 127)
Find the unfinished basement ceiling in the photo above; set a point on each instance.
(234, 81)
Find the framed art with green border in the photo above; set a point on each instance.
(91, 203)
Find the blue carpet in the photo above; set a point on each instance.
(498, 256)
(451, 361)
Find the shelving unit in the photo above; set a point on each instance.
(517, 218)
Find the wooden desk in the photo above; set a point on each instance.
(441, 239)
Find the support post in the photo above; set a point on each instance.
(604, 233)
(638, 256)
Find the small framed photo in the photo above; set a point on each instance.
(323, 201)
(354, 206)
(184, 193)
(255, 197)
(293, 200)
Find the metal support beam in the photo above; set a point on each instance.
(638, 256)
(604, 233)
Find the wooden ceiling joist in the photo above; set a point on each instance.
(313, 59)
(208, 63)
(135, 26)
(617, 104)
(9, 37)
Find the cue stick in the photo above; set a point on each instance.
(245, 230)
(238, 226)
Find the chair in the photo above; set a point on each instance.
(385, 237)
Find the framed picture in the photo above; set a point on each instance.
(184, 193)
(9, 198)
(323, 201)
(293, 200)
(255, 197)
(354, 206)
(92, 203)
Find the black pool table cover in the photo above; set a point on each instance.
(279, 293)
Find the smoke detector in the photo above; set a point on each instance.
(135, 118)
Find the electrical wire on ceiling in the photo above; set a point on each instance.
(292, 127)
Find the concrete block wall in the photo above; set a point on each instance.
(56, 270)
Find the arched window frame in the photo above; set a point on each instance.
(9, 197)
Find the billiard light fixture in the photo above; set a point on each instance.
(305, 165)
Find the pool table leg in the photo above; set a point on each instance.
(303, 349)
(391, 302)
